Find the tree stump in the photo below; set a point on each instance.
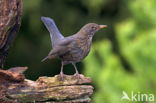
(14, 88)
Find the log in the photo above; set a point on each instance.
(10, 20)
(14, 88)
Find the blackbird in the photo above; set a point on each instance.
(71, 49)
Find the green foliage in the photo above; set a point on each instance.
(111, 79)
(137, 39)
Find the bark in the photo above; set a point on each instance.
(10, 20)
(14, 88)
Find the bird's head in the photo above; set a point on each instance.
(91, 28)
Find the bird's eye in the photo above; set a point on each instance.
(93, 28)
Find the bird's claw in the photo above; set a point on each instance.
(77, 75)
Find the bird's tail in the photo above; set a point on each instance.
(55, 34)
(44, 59)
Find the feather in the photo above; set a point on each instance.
(55, 34)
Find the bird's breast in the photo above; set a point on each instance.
(85, 46)
(78, 50)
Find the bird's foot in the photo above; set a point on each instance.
(77, 75)
(61, 76)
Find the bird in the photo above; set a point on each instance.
(71, 49)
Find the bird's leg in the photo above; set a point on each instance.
(77, 73)
(61, 72)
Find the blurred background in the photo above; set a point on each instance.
(122, 58)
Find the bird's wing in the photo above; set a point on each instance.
(63, 46)
(55, 34)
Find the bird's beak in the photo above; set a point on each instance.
(102, 26)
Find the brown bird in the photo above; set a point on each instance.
(71, 49)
